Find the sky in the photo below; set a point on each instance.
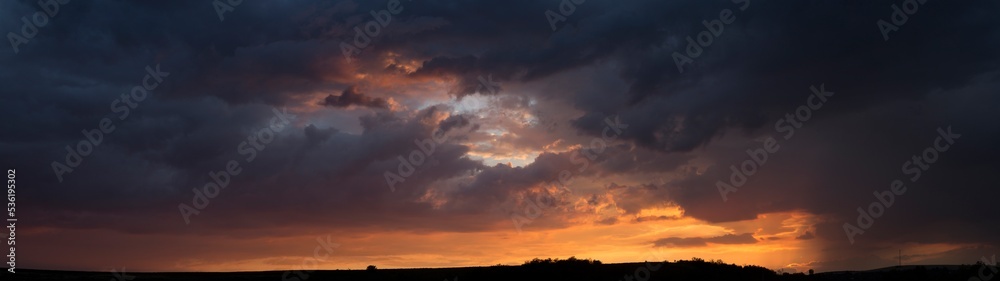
(276, 135)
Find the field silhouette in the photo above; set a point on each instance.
(542, 269)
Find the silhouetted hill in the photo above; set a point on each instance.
(538, 269)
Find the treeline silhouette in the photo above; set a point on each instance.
(570, 262)
(551, 269)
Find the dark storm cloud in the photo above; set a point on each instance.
(767, 64)
(352, 96)
(655, 218)
(193, 124)
(894, 93)
(762, 66)
(832, 167)
(455, 121)
(806, 236)
(337, 175)
(745, 238)
(760, 69)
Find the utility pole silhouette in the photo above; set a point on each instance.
(900, 257)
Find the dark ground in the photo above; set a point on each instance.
(542, 270)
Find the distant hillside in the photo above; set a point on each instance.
(538, 269)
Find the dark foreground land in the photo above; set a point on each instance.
(543, 270)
